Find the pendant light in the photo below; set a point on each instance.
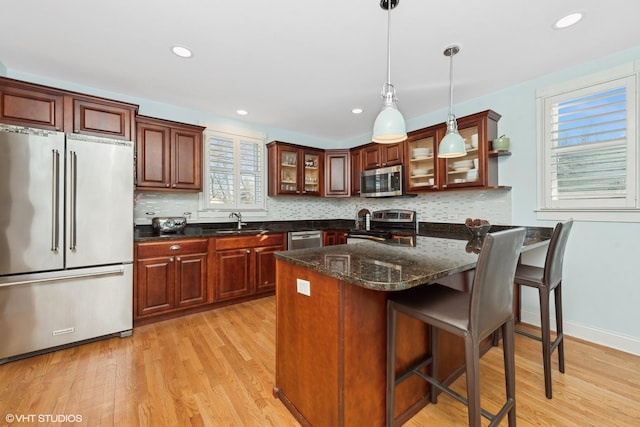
(389, 126)
(452, 145)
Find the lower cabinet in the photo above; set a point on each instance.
(170, 276)
(183, 276)
(245, 265)
(334, 237)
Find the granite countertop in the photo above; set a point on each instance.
(382, 267)
(144, 233)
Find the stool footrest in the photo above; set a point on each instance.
(493, 418)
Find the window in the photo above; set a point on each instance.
(587, 154)
(234, 173)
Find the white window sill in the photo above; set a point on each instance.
(594, 215)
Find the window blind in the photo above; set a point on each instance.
(588, 150)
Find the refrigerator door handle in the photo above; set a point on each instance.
(73, 160)
(62, 275)
(55, 196)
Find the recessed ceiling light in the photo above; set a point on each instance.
(181, 51)
(568, 20)
(242, 112)
(357, 111)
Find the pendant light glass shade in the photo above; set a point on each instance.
(389, 126)
(452, 145)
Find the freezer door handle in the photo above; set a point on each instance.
(55, 200)
(62, 275)
(73, 163)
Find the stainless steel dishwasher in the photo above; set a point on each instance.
(304, 239)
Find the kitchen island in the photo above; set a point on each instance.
(331, 326)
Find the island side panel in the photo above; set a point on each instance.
(307, 329)
(364, 358)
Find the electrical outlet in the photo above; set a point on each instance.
(303, 287)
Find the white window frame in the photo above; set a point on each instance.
(222, 211)
(625, 210)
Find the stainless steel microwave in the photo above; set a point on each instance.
(382, 182)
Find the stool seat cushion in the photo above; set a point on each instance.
(437, 305)
(529, 275)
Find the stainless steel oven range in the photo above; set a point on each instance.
(390, 226)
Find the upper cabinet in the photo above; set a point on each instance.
(32, 105)
(421, 167)
(295, 170)
(477, 169)
(168, 155)
(336, 173)
(381, 155)
(100, 117)
(356, 170)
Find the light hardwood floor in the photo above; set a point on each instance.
(217, 369)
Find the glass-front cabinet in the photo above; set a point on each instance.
(425, 171)
(478, 168)
(421, 168)
(295, 169)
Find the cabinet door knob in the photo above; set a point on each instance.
(170, 259)
(166, 185)
(175, 247)
(248, 251)
(174, 186)
(178, 258)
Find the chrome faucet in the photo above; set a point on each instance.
(238, 215)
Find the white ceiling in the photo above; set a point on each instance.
(303, 65)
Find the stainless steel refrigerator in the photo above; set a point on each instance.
(66, 239)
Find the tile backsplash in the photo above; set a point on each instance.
(452, 206)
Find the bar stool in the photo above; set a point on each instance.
(547, 279)
(472, 315)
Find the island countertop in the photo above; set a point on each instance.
(378, 266)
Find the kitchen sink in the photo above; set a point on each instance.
(241, 231)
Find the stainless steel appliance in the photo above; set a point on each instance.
(170, 224)
(390, 226)
(304, 239)
(66, 239)
(382, 182)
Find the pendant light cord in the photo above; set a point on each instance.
(451, 84)
(389, 42)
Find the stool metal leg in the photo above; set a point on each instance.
(545, 327)
(472, 363)
(508, 349)
(557, 292)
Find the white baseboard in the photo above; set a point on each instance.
(588, 333)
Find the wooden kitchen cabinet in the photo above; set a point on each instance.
(481, 168)
(23, 104)
(425, 172)
(43, 107)
(356, 170)
(295, 170)
(334, 237)
(421, 167)
(99, 117)
(381, 155)
(169, 276)
(337, 173)
(168, 155)
(245, 265)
